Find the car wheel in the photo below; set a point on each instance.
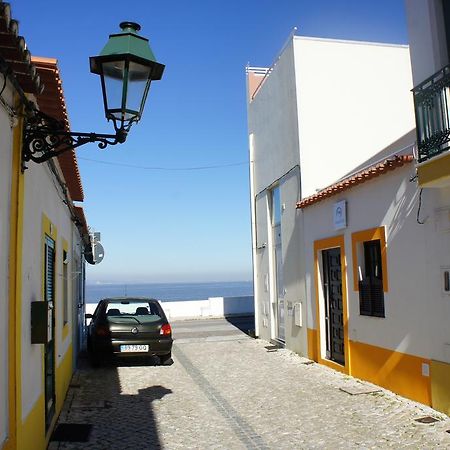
(166, 360)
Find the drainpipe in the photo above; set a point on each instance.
(254, 243)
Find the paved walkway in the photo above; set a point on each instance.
(228, 391)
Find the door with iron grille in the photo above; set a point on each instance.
(334, 311)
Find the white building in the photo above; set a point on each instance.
(322, 109)
(429, 36)
(43, 240)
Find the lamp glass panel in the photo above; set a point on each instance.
(138, 77)
(114, 74)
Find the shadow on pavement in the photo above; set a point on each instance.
(244, 323)
(119, 420)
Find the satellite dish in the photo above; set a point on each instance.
(99, 253)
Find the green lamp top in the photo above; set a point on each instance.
(128, 43)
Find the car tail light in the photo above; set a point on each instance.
(165, 330)
(102, 331)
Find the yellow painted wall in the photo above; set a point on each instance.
(312, 344)
(31, 433)
(435, 172)
(440, 386)
(398, 372)
(63, 377)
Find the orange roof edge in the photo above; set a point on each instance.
(357, 178)
(44, 60)
(52, 102)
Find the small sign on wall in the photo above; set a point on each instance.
(340, 215)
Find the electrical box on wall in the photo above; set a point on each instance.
(445, 280)
(298, 319)
(41, 322)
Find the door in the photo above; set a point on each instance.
(49, 349)
(333, 307)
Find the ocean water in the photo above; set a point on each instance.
(169, 291)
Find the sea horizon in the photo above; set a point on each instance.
(175, 291)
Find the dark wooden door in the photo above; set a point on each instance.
(334, 310)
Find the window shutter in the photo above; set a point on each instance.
(49, 275)
(365, 304)
(377, 296)
(371, 297)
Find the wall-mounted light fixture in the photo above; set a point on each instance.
(126, 67)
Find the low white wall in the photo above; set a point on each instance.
(201, 309)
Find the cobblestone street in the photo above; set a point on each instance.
(226, 390)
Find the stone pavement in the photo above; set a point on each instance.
(228, 391)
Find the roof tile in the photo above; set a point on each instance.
(357, 178)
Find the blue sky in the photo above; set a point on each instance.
(182, 225)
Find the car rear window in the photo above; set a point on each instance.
(142, 310)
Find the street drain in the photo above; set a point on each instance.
(426, 419)
(72, 432)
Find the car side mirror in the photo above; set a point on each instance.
(88, 316)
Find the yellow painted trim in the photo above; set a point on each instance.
(32, 433)
(15, 288)
(440, 386)
(312, 344)
(63, 377)
(324, 244)
(435, 172)
(396, 371)
(370, 235)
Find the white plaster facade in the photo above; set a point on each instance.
(389, 201)
(42, 196)
(427, 38)
(322, 109)
(6, 149)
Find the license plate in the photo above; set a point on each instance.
(133, 348)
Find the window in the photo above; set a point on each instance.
(65, 288)
(49, 275)
(370, 270)
(371, 295)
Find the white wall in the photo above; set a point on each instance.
(426, 38)
(353, 100)
(272, 119)
(41, 197)
(202, 309)
(417, 311)
(274, 155)
(5, 215)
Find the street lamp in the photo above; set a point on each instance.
(126, 66)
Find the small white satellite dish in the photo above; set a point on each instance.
(99, 253)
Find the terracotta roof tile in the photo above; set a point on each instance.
(51, 101)
(357, 178)
(13, 50)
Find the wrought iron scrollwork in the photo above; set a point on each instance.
(45, 137)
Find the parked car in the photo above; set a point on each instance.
(129, 327)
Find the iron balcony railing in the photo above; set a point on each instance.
(432, 106)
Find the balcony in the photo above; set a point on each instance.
(432, 107)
